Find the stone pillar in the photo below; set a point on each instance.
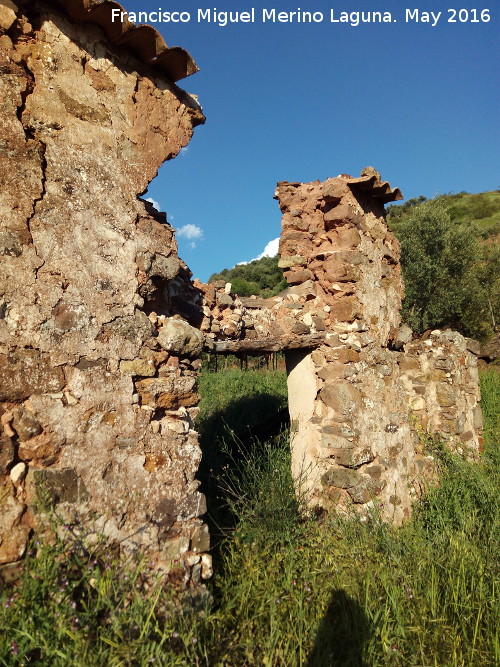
(353, 399)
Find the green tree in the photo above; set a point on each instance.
(262, 277)
(448, 280)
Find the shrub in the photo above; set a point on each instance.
(447, 281)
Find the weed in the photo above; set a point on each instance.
(287, 590)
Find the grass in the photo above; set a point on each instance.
(288, 589)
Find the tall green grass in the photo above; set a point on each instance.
(288, 589)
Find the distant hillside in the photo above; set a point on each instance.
(482, 209)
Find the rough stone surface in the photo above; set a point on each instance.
(101, 327)
(360, 400)
(84, 263)
(181, 338)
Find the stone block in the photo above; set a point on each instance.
(25, 424)
(418, 403)
(11, 509)
(409, 364)
(346, 239)
(342, 478)
(223, 299)
(297, 276)
(353, 457)
(300, 328)
(304, 290)
(342, 429)
(336, 270)
(192, 506)
(366, 491)
(200, 539)
(346, 309)
(343, 397)
(7, 453)
(168, 392)
(338, 214)
(292, 260)
(206, 566)
(443, 363)
(176, 400)
(138, 366)
(58, 486)
(7, 16)
(43, 449)
(165, 514)
(18, 472)
(318, 323)
(135, 328)
(27, 371)
(335, 441)
(13, 544)
(333, 190)
(180, 338)
(446, 395)
(404, 337)
(477, 415)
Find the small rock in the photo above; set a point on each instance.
(206, 566)
(404, 337)
(18, 472)
(292, 260)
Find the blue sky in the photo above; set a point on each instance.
(300, 102)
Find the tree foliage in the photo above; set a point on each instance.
(261, 277)
(397, 212)
(451, 279)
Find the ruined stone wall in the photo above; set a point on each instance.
(441, 380)
(361, 392)
(101, 329)
(369, 390)
(98, 390)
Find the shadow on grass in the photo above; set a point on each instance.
(343, 633)
(226, 436)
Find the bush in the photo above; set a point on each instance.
(448, 283)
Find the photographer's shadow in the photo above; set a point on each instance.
(342, 635)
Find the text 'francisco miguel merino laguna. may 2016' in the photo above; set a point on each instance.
(334, 16)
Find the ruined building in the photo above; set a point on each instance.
(101, 328)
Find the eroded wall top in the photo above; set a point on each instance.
(144, 41)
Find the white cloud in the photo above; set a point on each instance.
(154, 202)
(271, 250)
(191, 233)
(184, 151)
